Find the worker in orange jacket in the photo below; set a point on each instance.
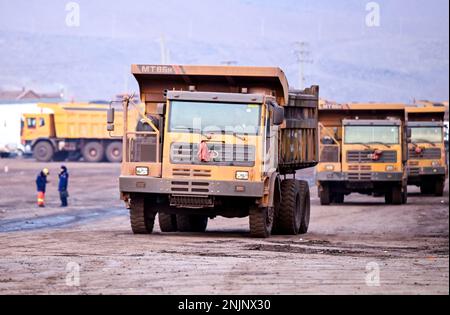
(41, 185)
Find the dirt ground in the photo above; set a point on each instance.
(362, 247)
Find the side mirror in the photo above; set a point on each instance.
(409, 133)
(110, 116)
(278, 115)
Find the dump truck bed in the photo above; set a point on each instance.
(81, 121)
(298, 141)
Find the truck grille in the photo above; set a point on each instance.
(360, 176)
(426, 154)
(224, 154)
(365, 157)
(189, 187)
(178, 172)
(180, 201)
(363, 168)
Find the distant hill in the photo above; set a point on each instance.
(406, 58)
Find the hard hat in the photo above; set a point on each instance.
(46, 171)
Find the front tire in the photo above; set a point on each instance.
(43, 151)
(325, 195)
(439, 187)
(142, 217)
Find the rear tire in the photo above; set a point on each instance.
(192, 223)
(261, 222)
(325, 195)
(306, 207)
(114, 152)
(289, 213)
(43, 151)
(93, 152)
(142, 218)
(405, 195)
(167, 222)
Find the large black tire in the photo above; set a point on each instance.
(405, 195)
(439, 187)
(43, 151)
(289, 214)
(93, 152)
(325, 195)
(306, 207)
(114, 152)
(426, 188)
(142, 217)
(397, 195)
(388, 197)
(261, 222)
(192, 223)
(167, 222)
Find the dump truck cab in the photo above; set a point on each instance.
(363, 150)
(210, 143)
(427, 163)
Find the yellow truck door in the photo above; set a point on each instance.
(37, 126)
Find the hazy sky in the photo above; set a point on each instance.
(409, 46)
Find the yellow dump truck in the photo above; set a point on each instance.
(427, 163)
(71, 130)
(363, 149)
(218, 141)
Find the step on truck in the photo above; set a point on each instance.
(427, 163)
(363, 149)
(218, 141)
(70, 131)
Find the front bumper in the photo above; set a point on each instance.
(362, 177)
(426, 171)
(191, 187)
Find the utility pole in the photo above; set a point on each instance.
(164, 51)
(303, 55)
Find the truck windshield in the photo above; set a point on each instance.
(212, 118)
(426, 134)
(372, 135)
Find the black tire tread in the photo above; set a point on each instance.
(285, 220)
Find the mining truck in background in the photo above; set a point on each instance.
(427, 163)
(70, 131)
(217, 141)
(363, 149)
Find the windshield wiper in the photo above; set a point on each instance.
(364, 144)
(382, 143)
(424, 140)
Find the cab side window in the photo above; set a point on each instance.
(41, 122)
(31, 123)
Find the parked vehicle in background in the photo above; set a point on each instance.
(70, 131)
(218, 141)
(427, 163)
(363, 149)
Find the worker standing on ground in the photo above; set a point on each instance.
(41, 184)
(63, 184)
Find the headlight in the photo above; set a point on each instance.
(329, 167)
(436, 163)
(390, 168)
(242, 175)
(142, 171)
